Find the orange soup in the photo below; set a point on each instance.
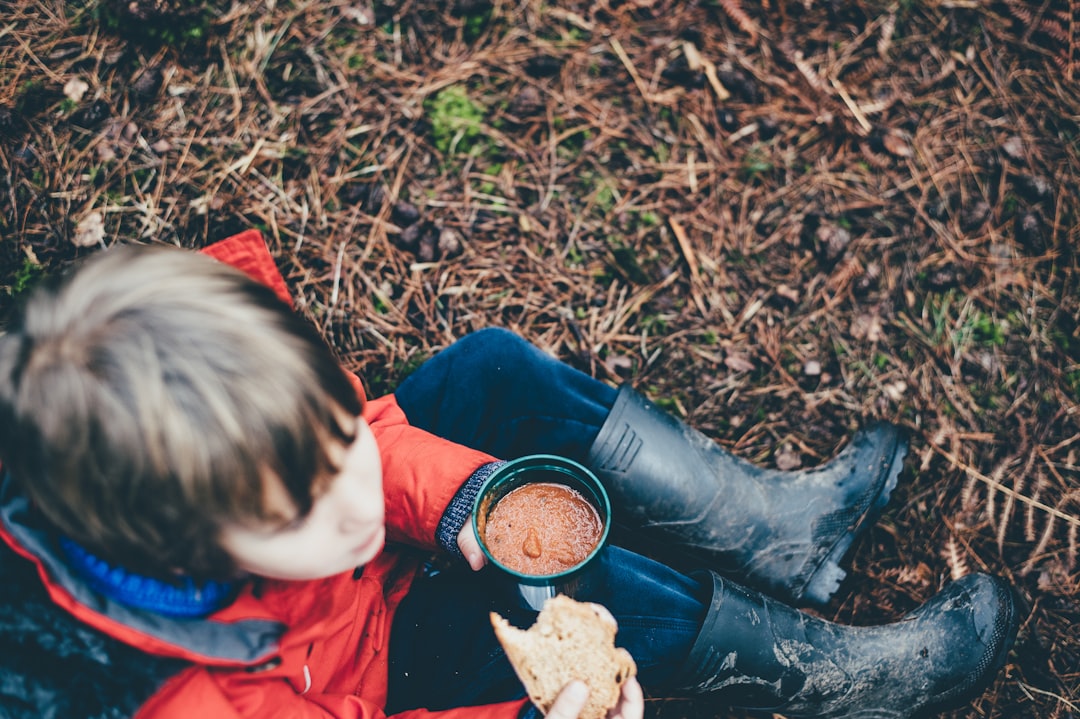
(542, 528)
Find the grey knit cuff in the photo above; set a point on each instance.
(460, 509)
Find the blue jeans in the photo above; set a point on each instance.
(495, 392)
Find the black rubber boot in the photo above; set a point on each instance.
(782, 532)
(757, 653)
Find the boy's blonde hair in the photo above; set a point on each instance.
(145, 401)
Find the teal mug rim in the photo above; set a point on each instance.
(582, 474)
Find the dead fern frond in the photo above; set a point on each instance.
(968, 498)
(1040, 548)
(1017, 494)
(1029, 518)
(1053, 22)
(1007, 512)
(1074, 38)
(1067, 66)
(1006, 490)
(907, 575)
(884, 43)
(954, 557)
(843, 275)
(809, 73)
(919, 576)
(875, 160)
(735, 11)
(1059, 25)
(991, 499)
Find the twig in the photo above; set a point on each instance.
(663, 98)
(1029, 690)
(855, 110)
(337, 275)
(685, 248)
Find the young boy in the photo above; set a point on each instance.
(194, 476)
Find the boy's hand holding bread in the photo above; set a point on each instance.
(572, 642)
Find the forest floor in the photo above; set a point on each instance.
(780, 220)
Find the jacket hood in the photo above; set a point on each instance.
(217, 640)
(52, 666)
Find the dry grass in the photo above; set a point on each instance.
(782, 220)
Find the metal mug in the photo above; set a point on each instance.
(534, 590)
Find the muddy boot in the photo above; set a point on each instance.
(782, 532)
(756, 653)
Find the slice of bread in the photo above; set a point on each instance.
(570, 640)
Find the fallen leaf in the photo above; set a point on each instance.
(363, 15)
(787, 293)
(787, 458)
(90, 231)
(867, 327)
(895, 390)
(75, 89)
(738, 363)
(1013, 147)
(885, 41)
(897, 144)
(449, 242)
(831, 241)
(619, 365)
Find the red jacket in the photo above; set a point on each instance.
(298, 649)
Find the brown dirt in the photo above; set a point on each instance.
(867, 212)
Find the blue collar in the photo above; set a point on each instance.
(183, 600)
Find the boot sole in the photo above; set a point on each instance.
(825, 580)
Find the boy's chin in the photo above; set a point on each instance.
(345, 561)
(312, 574)
(367, 551)
(356, 557)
